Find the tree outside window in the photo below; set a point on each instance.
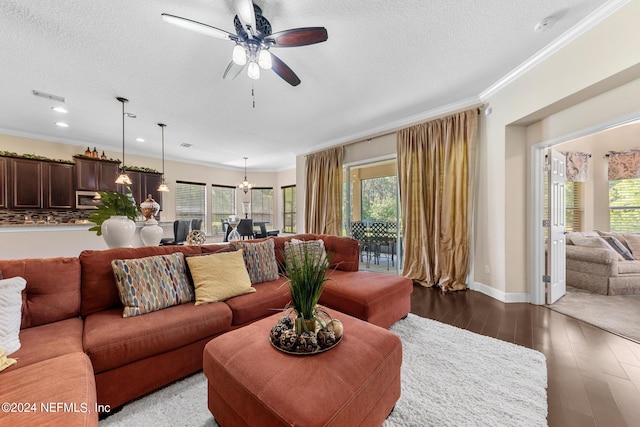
(379, 199)
(223, 202)
(289, 209)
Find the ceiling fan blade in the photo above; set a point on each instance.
(283, 70)
(233, 70)
(247, 15)
(198, 27)
(298, 37)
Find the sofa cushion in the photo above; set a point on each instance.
(47, 341)
(629, 267)
(151, 283)
(597, 242)
(10, 313)
(344, 252)
(53, 288)
(573, 234)
(220, 276)
(378, 298)
(260, 259)
(268, 298)
(112, 341)
(66, 379)
(99, 290)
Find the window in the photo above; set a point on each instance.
(573, 205)
(624, 204)
(223, 203)
(289, 209)
(262, 204)
(190, 200)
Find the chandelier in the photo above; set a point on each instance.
(245, 185)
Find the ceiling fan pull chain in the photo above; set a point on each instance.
(253, 96)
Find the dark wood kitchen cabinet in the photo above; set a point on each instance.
(96, 175)
(4, 183)
(26, 184)
(37, 184)
(58, 186)
(142, 184)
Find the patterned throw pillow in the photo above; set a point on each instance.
(11, 313)
(260, 260)
(296, 248)
(618, 247)
(152, 283)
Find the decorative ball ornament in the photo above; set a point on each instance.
(196, 238)
(336, 326)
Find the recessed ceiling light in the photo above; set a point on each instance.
(130, 115)
(59, 110)
(545, 24)
(62, 124)
(140, 139)
(186, 145)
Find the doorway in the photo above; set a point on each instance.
(371, 212)
(537, 230)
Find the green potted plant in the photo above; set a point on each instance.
(306, 271)
(114, 217)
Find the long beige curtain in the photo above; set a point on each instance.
(435, 171)
(323, 204)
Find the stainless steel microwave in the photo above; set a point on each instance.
(87, 200)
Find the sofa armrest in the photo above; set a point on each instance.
(595, 261)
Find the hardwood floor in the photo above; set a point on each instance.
(593, 375)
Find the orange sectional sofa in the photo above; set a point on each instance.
(78, 350)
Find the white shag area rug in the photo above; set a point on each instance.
(450, 377)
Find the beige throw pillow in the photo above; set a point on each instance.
(219, 276)
(633, 242)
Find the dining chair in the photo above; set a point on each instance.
(245, 228)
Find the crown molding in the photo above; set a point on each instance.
(593, 19)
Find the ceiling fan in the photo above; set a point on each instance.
(253, 41)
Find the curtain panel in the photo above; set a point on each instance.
(323, 204)
(624, 165)
(577, 165)
(435, 174)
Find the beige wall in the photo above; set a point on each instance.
(173, 171)
(578, 87)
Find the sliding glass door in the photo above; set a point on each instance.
(371, 214)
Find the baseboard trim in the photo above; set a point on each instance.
(500, 295)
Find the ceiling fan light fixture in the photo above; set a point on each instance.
(239, 55)
(264, 59)
(253, 71)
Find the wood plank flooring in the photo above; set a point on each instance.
(593, 375)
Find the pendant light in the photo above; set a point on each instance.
(163, 186)
(245, 185)
(123, 178)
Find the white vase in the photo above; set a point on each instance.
(151, 233)
(118, 231)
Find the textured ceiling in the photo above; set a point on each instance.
(384, 62)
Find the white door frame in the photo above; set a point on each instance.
(536, 236)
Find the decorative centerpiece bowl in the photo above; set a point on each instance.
(326, 335)
(306, 328)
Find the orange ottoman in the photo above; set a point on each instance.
(252, 383)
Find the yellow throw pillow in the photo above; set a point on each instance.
(219, 276)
